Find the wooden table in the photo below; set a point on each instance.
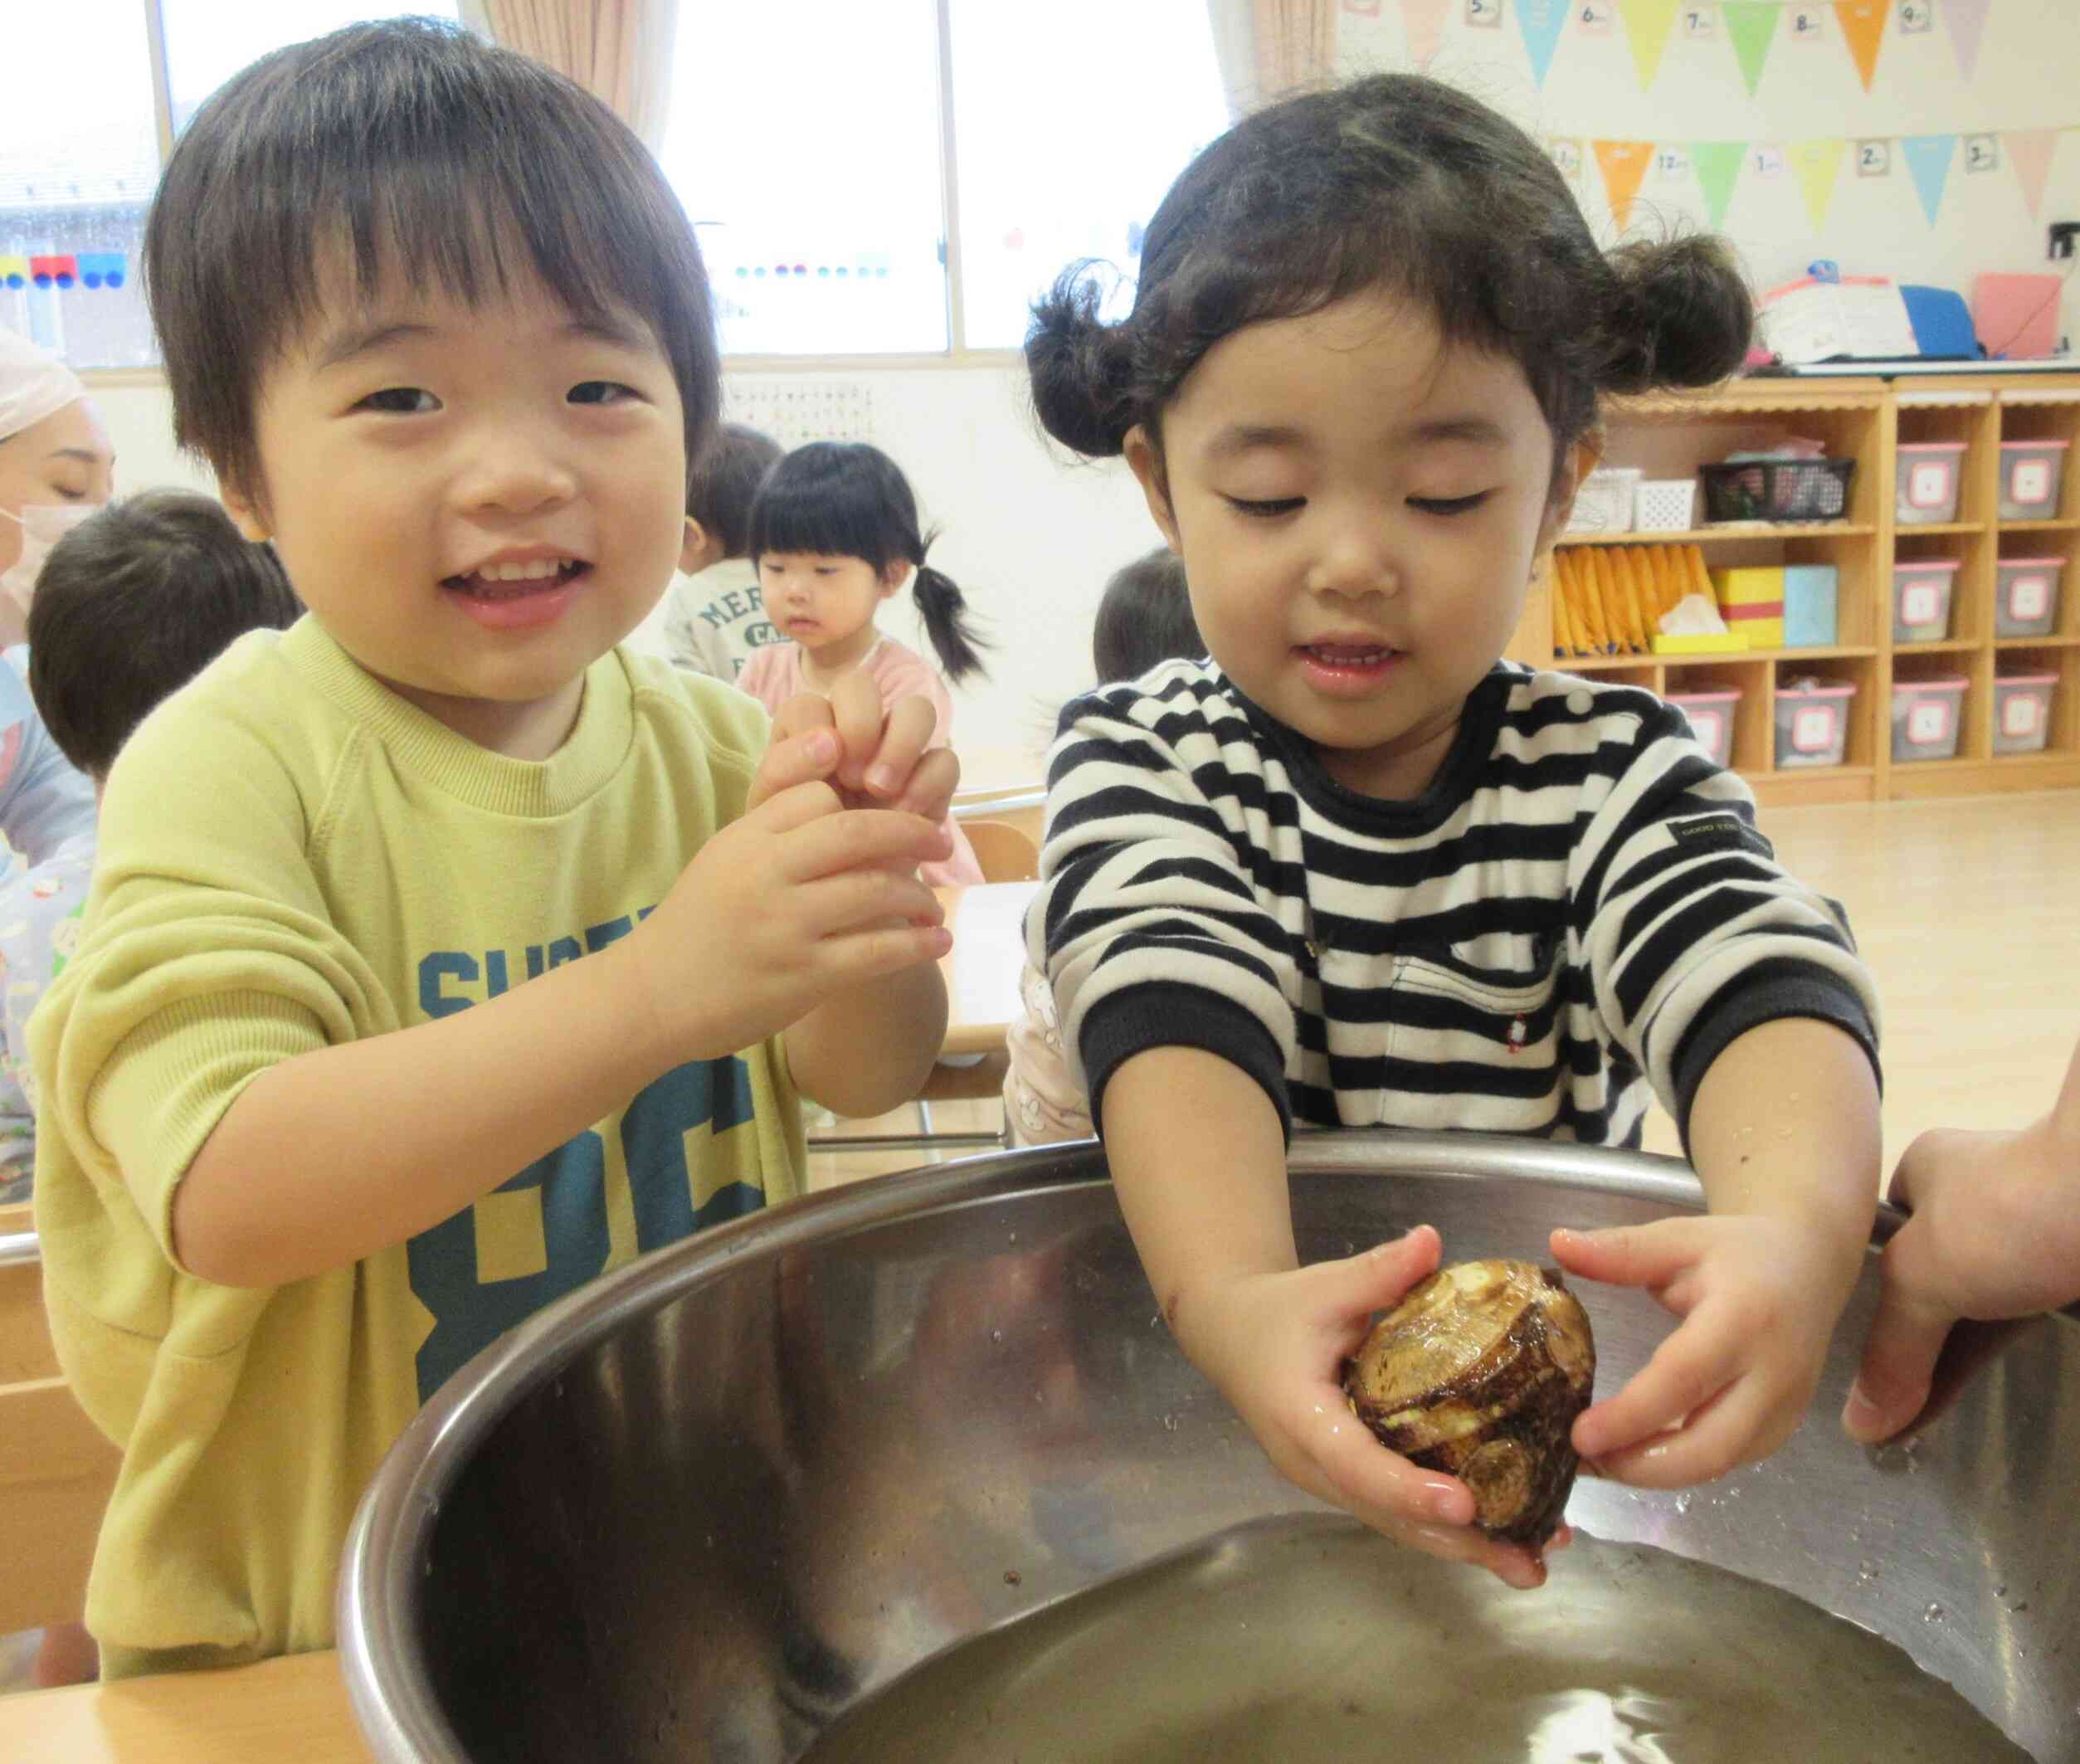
(291, 1711)
(982, 969)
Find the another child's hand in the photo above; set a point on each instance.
(884, 760)
(799, 898)
(1759, 1296)
(1994, 1235)
(1275, 1345)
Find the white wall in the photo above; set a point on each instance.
(1033, 539)
(2024, 78)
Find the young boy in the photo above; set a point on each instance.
(129, 607)
(440, 951)
(714, 614)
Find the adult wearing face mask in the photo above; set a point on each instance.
(54, 459)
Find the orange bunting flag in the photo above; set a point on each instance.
(1862, 23)
(1625, 166)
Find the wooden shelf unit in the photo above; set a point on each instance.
(1868, 420)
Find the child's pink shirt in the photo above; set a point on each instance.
(774, 675)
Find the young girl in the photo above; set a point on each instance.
(1354, 870)
(834, 533)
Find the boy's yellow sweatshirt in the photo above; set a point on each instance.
(291, 855)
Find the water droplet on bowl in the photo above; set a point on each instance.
(1933, 1613)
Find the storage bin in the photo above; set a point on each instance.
(1810, 592)
(2026, 595)
(2022, 712)
(2030, 472)
(1665, 505)
(1777, 489)
(1925, 718)
(1928, 486)
(1812, 722)
(1922, 591)
(1751, 602)
(1711, 714)
(1604, 503)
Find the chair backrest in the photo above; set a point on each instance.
(1006, 853)
(57, 1470)
(25, 1331)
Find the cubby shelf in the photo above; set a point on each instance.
(1868, 419)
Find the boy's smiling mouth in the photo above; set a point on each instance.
(516, 589)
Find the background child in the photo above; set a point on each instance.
(440, 949)
(1994, 1235)
(129, 606)
(1144, 618)
(1352, 870)
(834, 532)
(715, 615)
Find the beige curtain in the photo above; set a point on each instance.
(619, 50)
(1267, 48)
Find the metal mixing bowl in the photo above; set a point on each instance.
(698, 1509)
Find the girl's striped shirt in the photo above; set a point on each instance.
(1579, 908)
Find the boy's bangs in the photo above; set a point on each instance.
(406, 154)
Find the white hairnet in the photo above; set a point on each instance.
(33, 383)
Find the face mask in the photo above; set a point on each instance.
(42, 525)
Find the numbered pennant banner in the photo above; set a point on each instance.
(1717, 166)
(1752, 28)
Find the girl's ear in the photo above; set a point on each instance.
(894, 574)
(1146, 464)
(1580, 461)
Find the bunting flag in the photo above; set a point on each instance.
(1424, 22)
(1751, 24)
(1817, 164)
(1540, 20)
(1862, 23)
(1967, 23)
(1718, 169)
(2029, 151)
(1648, 23)
(1928, 158)
(1624, 165)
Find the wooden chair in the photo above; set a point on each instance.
(1006, 853)
(57, 1470)
(25, 1333)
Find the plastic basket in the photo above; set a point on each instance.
(1777, 489)
(1666, 505)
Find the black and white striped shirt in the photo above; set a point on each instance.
(1579, 900)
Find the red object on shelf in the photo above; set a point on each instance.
(63, 270)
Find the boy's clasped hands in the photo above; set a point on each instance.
(819, 877)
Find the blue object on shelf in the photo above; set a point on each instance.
(1810, 591)
(1942, 323)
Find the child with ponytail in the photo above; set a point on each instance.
(1353, 869)
(834, 533)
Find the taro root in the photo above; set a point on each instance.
(1479, 1372)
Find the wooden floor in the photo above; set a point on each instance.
(1967, 911)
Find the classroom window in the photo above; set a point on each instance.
(80, 148)
(818, 189)
(804, 140)
(1070, 123)
(79, 158)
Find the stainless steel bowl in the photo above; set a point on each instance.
(697, 1510)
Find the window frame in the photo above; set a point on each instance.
(957, 355)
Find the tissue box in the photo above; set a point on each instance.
(1752, 602)
(1809, 595)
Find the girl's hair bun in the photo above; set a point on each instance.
(1681, 314)
(1081, 368)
